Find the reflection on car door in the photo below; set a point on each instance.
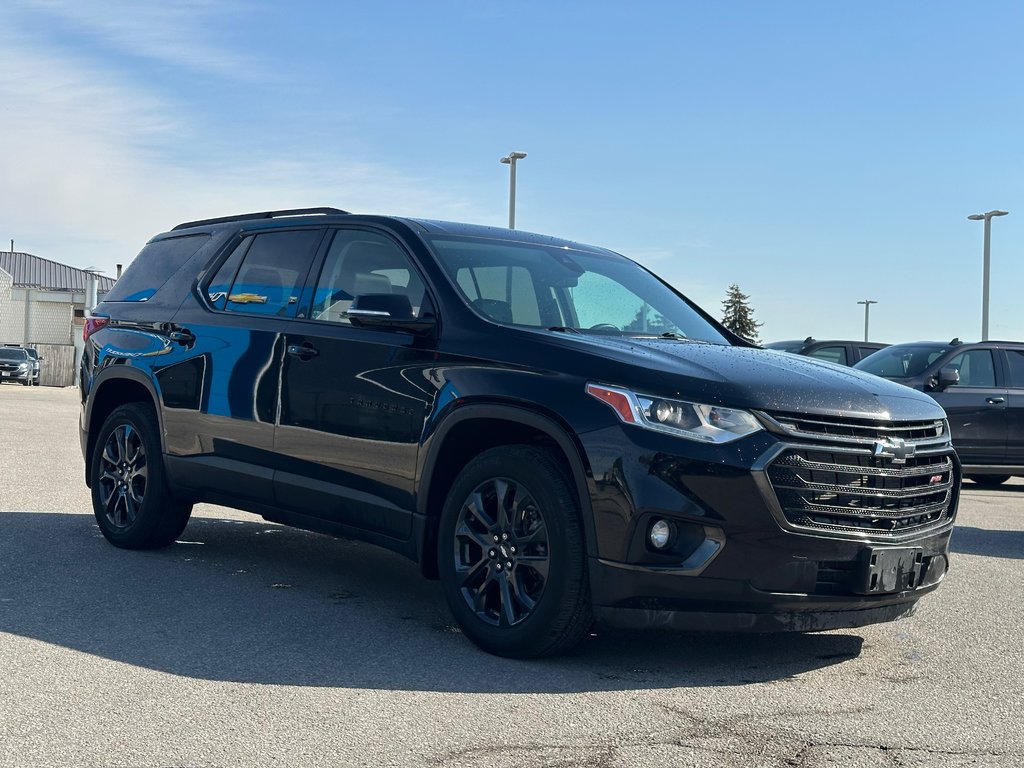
(220, 396)
(976, 408)
(354, 400)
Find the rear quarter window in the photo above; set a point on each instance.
(154, 266)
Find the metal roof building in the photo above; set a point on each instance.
(28, 271)
(43, 305)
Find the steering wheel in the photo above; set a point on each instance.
(604, 327)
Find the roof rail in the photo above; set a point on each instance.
(261, 215)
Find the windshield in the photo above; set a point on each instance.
(568, 290)
(13, 355)
(901, 361)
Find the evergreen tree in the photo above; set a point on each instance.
(738, 316)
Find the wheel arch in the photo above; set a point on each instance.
(474, 428)
(125, 386)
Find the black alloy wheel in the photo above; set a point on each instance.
(501, 552)
(123, 475)
(512, 556)
(130, 499)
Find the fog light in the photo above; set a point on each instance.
(661, 534)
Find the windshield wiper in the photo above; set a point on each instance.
(681, 337)
(564, 329)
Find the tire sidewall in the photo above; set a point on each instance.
(567, 561)
(142, 529)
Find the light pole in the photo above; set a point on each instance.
(987, 218)
(510, 161)
(867, 308)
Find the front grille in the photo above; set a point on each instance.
(852, 481)
(858, 430)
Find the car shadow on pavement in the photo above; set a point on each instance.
(255, 602)
(991, 543)
(1010, 487)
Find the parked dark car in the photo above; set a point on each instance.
(37, 364)
(981, 387)
(548, 428)
(16, 365)
(833, 351)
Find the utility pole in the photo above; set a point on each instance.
(510, 161)
(987, 218)
(867, 308)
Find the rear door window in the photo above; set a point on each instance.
(271, 275)
(1015, 357)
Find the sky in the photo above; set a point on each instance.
(814, 153)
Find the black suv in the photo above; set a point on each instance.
(981, 387)
(841, 352)
(548, 428)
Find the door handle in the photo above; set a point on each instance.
(995, 400)
(304, 351)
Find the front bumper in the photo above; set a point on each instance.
(738, 567)
(19, 376)
(780, 621)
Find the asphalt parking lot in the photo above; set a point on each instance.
(249, 644)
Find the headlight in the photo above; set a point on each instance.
(22, 366)
(694, 421)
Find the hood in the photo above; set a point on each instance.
(760, 379)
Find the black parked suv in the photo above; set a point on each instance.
(981, 387)
(832, 350)
(546, 427)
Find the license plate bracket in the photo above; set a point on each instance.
(890, 569)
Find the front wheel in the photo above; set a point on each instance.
(512, 557)
(129, 493)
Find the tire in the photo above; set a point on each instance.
(540, 606)
(989, 480)
(26, 383)
(129, 490)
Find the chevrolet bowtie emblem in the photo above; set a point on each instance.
(895, 448)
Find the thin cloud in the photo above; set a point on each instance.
(175, 33)
(93, 165)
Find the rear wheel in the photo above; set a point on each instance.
(990, 480)
(511, 554)
(129, 493)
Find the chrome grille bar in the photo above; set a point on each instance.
(832, 480)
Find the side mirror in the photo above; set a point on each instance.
(387, 310)
(948, 377)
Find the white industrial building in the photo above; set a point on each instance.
(42, 305)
